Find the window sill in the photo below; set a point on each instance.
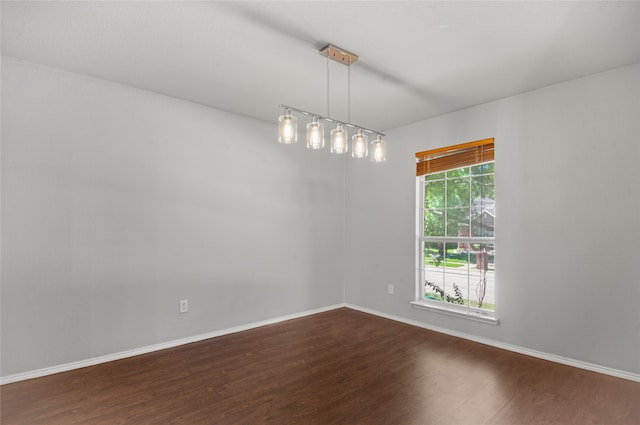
(469, 315)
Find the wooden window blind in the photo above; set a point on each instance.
(447, 158)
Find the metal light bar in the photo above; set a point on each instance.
(328, 119)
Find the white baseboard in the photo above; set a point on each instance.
(486, 341)
(169, 344)
(156, 347)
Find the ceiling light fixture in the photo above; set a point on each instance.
(359, 146)
(315, 134)
(339, 143)
(378, 151)
(287, 128)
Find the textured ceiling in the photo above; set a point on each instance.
(417, 59)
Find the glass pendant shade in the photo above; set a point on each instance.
(287, 128)
(359, 145)
(339, 137)
(378, 150)
(315, 134)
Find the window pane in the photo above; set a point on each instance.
(433, 270)
(434, 223)
(482, 277)
(483, 224)
(482, 188)
(434, 194)
(483, 207)
(458, 222)
(482, 168)
(460, 172)
(456, 280)
(458, 193)
(435, 176)
(433, 253)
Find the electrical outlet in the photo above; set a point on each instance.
(184, 306)
(390, 289)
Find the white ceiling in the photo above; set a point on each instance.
(417, 59)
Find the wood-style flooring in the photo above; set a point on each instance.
(339, 367)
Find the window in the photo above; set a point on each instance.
(455, 236)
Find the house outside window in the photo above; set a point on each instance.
(455, 230)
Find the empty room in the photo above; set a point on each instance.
(279, 212)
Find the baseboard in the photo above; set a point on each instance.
(175, 343)
(517, 349)
(156, 347)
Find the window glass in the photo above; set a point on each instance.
(458, 172)
(458, 222)
(458, 250)
(486, 168)
(434, 222)
(434, 176)
(458, 193)
(434, 194)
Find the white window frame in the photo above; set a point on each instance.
(452, 309)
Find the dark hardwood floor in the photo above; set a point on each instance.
(338, 367)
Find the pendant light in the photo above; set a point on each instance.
(359, 145)
(287, 128)
(339, 137)
(315, 134)
(378, 150)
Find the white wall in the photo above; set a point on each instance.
(567, 224)
(117, 203)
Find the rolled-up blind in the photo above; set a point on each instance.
(456, 156)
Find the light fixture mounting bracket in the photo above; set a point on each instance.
(339, 55)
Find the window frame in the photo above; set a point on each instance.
(464, 311)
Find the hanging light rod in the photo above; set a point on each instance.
(328, 119)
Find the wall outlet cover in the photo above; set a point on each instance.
(184, 306)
